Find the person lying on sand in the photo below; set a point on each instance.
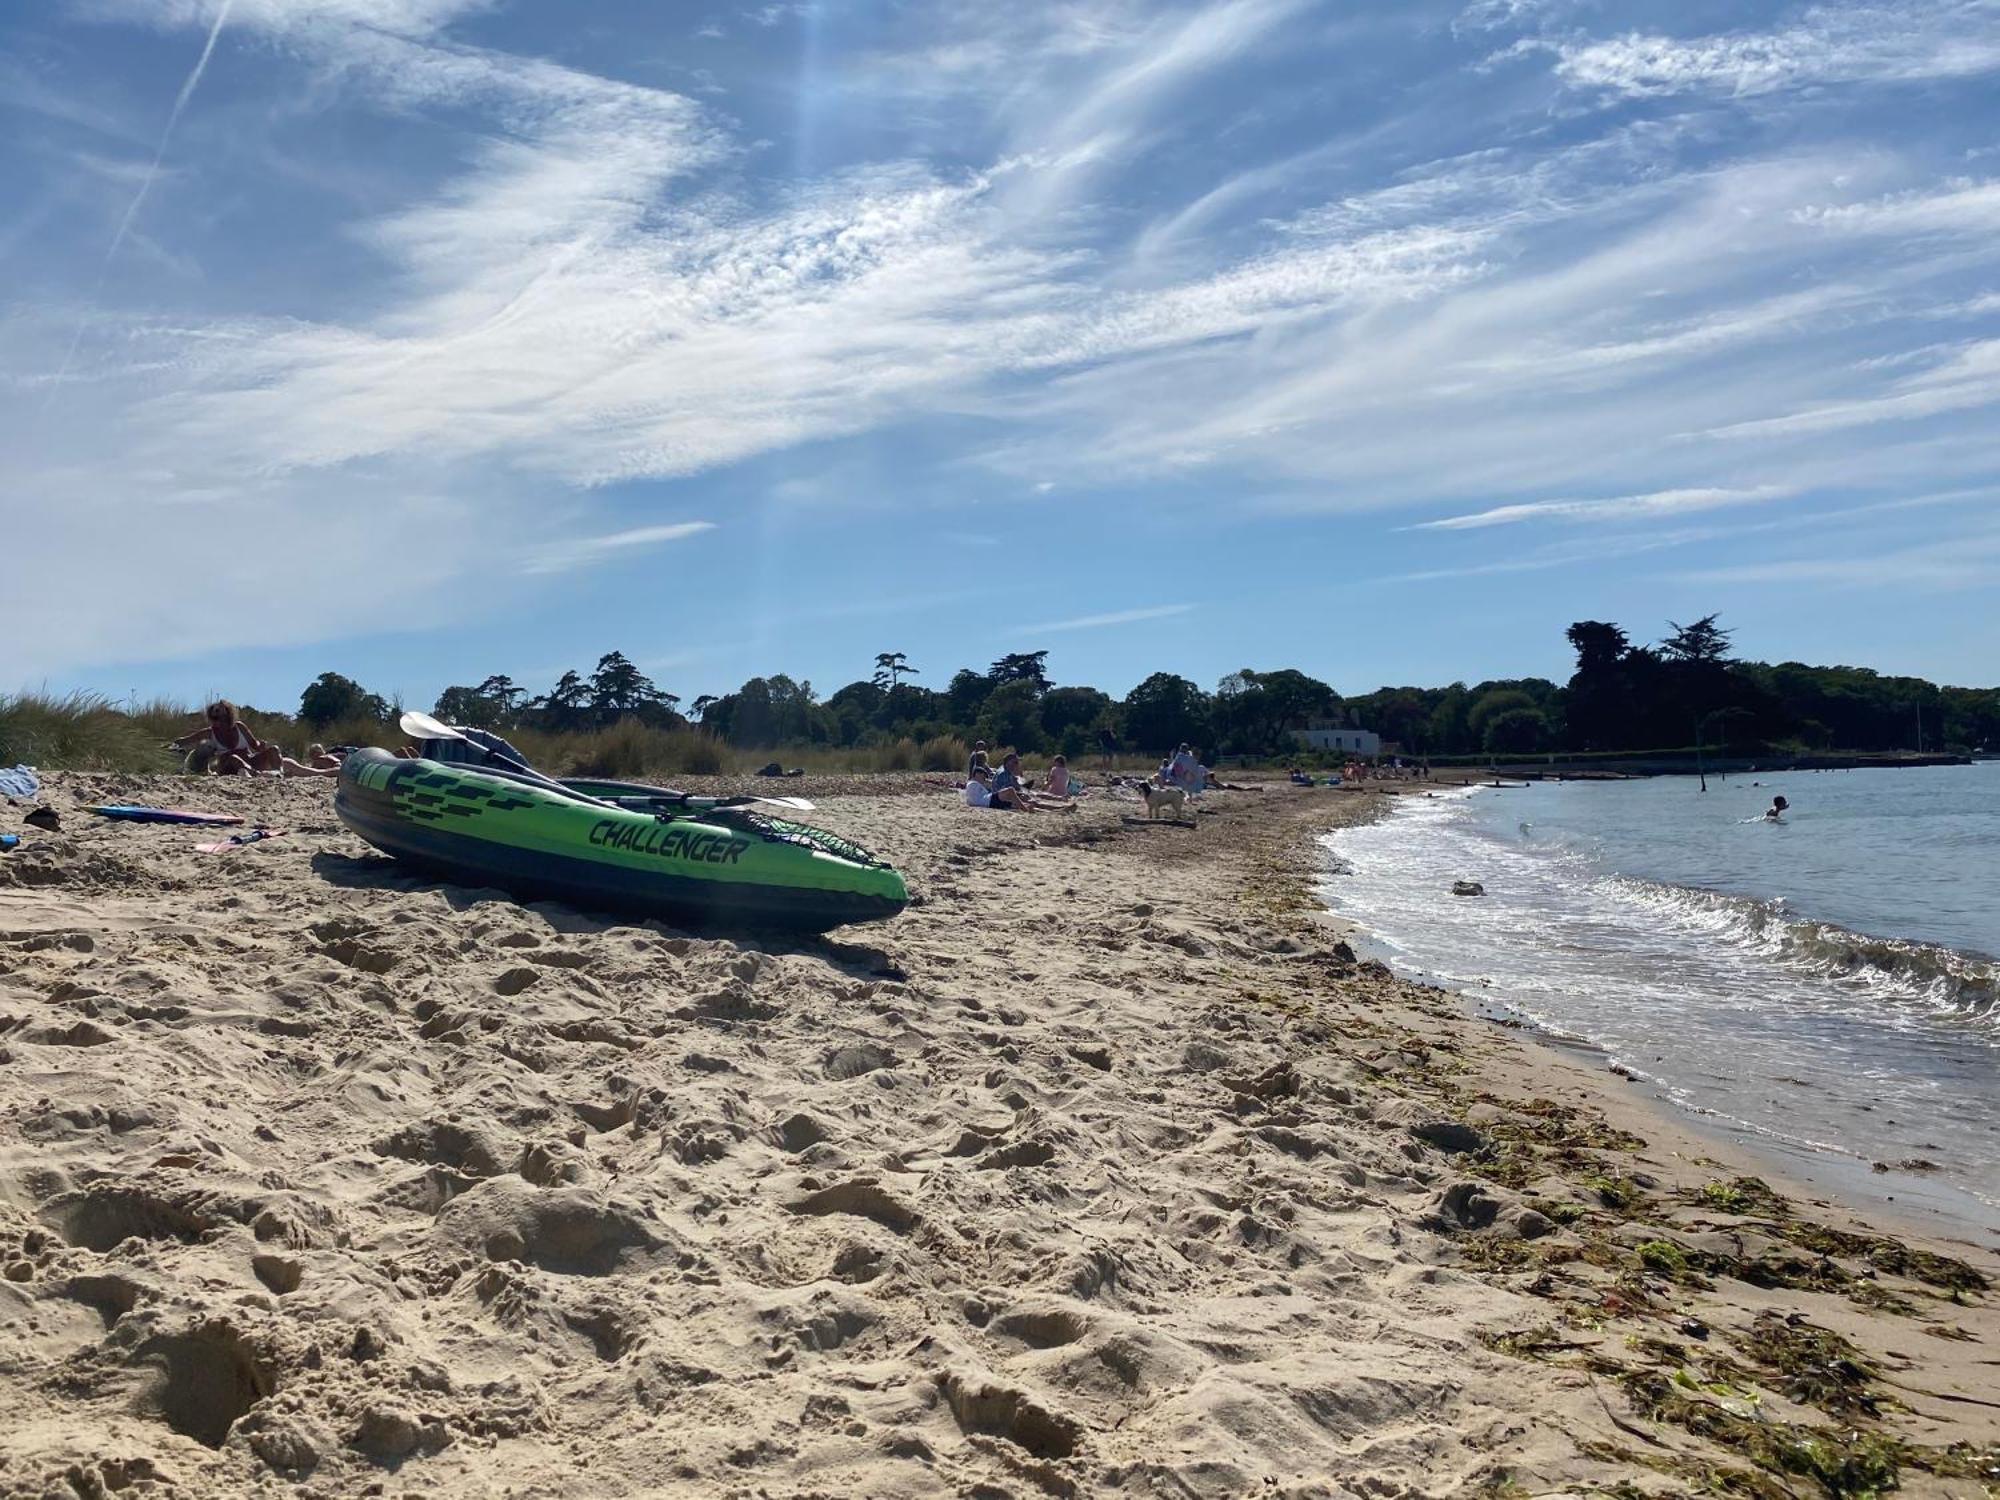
(236, 749)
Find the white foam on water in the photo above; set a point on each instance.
(1796, 1030)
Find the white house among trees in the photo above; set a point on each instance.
(1333, 737)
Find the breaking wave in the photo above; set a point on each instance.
(1933, 977)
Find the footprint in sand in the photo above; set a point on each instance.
(852, 1061)
(516, 981)
(209, 1374)
(983, 1405)
(867, 1200)
(104, 1216)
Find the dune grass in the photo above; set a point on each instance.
(79, 731)
(88, 732)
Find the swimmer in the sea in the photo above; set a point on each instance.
(1776, 812)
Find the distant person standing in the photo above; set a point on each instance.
(1107, 746)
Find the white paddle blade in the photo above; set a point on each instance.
(797, 804)
(424, 727)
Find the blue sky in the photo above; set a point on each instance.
(423, 339)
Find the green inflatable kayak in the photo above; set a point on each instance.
(639, 849)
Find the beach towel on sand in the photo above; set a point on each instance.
(18, 781)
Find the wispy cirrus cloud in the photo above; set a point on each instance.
(1144, 247)
(287, 17)
(1961, 563)
(1967, 380)
(583, 552)
(1559, 555)
(1100, 622)
(1658, 504)
(152, 171)
(1830, 44)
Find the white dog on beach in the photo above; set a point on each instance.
(1160, 799)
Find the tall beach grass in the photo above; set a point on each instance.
(88, 732)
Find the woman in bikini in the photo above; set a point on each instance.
(237, 751)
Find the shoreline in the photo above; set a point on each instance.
(1919, 1204)
(1824, 1163)
(1106, 1169)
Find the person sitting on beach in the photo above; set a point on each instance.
(1009, 773)
(235, 750)
(978, 757)
(1059, 777)
(980, 791)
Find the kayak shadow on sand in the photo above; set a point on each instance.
(378, 872)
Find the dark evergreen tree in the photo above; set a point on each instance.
(1702, 643)
(619, 690)
(563, 707)
(1599, 702)
(1020, 666)
(891, 667)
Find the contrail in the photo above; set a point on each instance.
(146, 182)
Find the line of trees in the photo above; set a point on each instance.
(1686, 689)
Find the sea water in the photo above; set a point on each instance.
(1825, 986)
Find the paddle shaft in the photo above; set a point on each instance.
(424, 727)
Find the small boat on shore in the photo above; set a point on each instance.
(640, 849)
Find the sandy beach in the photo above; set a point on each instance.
(1107, 1169)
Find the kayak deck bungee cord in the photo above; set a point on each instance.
(660, 854)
